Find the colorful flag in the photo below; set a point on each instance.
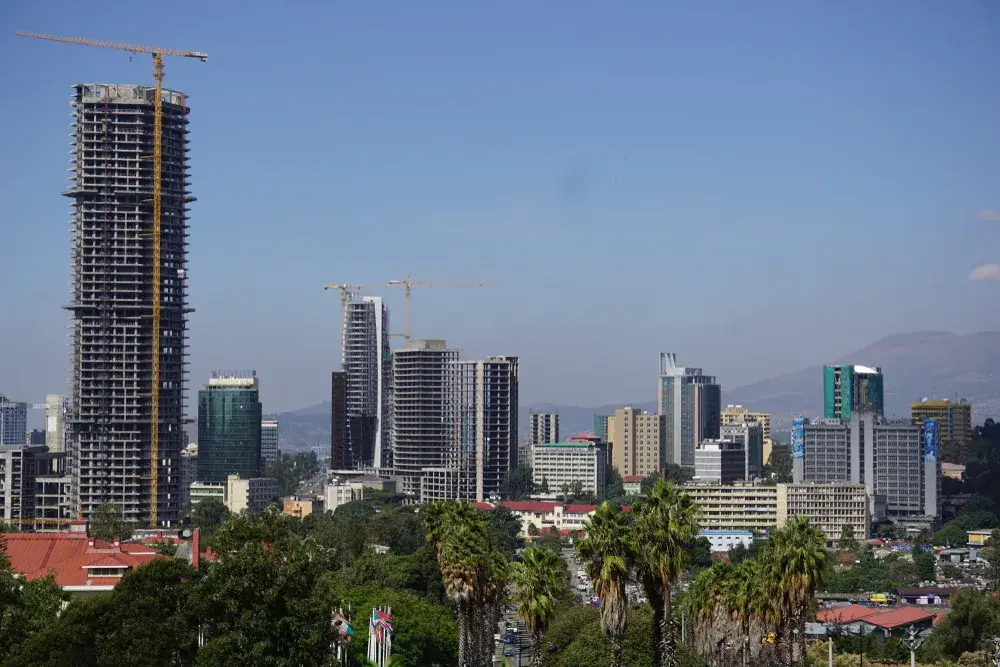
(343, 627)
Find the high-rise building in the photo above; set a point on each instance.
(829, 507)
(422, 436)
(484, 396)
(848, 389)
(896, 461)
(113, 298)
(638, 442)
(229, 417)
(544, 427)
(749, 435)
(691, 405)
(340, 453)
(56, 407)
(13, 422)
(737, 414)
(189, 471)
(954, 418)
(268, 443)
(36, 437)
(367, 361)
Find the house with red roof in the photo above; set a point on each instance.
(545, 516)
(80, 564)
(857, 619)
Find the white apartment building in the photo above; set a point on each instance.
(828, 507)
(559, 463)
(238, 494)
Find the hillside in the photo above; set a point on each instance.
(931, 364)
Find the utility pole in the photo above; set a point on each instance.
(913, 641)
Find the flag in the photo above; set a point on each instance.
(343, 627)
(379, 622)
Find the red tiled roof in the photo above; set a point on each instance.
(848, 614)
(67, 556)
(533, 506)
(580, 509)
(631, 479)
(486, 507)
(899, 617)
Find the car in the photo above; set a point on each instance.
(508, 652)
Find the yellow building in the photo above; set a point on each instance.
(637, 439)
(954, 419)
(735, 506)
(298, 507)
(978, 538)
(737, 414)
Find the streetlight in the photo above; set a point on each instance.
(913, 641)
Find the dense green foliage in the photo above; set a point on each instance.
(518, 484)
(289, 470)
(779, 466)
(871, 575)
(108, 523)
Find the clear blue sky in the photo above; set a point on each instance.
(756, 186)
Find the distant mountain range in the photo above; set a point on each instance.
(931, 364)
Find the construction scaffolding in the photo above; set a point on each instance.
(115, 266)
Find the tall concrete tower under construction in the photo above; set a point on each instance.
(113, 293)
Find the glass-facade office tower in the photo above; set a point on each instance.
(268, 443)
(229, 428)
(691, 405)
(13, 422)
(367, 361)
(111, 268)
(849, 389)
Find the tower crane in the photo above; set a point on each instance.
(348, 290)
(157, 53)
(409, 284)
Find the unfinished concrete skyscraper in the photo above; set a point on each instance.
(112, 298)
(367, 361)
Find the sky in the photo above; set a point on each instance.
(757, 187)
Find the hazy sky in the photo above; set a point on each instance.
(756, 186)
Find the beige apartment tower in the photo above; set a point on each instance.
(638, 442)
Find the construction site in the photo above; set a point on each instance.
(117, 385)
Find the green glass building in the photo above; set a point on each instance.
(848, 389)
(229, 416)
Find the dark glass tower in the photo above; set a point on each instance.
(229, 416)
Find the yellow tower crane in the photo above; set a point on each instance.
(157, 53)
(409, 284)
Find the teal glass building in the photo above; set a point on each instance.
(229, 416)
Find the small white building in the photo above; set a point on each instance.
(254, 494)
(724, 540)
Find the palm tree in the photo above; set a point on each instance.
(606, 549)
(797, 559)
(666, 528)
(706, 605)
(537, 581)
(474, 572)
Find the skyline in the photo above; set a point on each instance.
(439, 135)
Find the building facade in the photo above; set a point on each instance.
(340, 453)
(367, 361)
(848, 389)
(566, 463)
(737, 414)
(544, 427)
(638, 442)
(422, 435)
(268, 443)
(115, 295)
(735, 506)
(238, 493)
(954, 418)
(828, 507)
(13, 422)
(56, 407)
(229, 428)
(483, 400)
(719, 462)
(691, 405)
(749, 435)
(896, 461)
(721, 541)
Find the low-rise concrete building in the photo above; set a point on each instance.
(828, 507)
(238, 494)
(724, 540)
(720, 461)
